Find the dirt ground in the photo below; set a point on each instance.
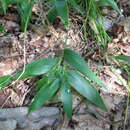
(44, 42)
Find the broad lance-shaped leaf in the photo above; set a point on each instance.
(62, 10)
(52, 14)
(4, 5)
(26, 16)
(42, 82)
(47, 79)
(78, 63)
(44, 94)
(123, 57)
(66, 98)
(85, 88)
(111, 3)
(37, 67)
(5, 80)
(25, 11)
(2, 29)
(76, 6)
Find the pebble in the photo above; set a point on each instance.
(108, 23)
(18, 118)
(8, 124)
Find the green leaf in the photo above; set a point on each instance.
(51, 2)
(4, 5)
(62, 10)
(111, 3)
(2, 29)
(37, 67)
(78, 63)
(1, 11)
(76, 6)
(4, 81)
(85, 88)
(44, 94)
(42, 82)
(52, 14)
(66, 98)
(123, 57)
(25, 11)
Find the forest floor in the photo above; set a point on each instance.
(44, 42)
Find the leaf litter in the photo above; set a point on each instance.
(41, 44)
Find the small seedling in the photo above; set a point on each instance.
(57, 76)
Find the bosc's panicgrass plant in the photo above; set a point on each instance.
(89, 10)
(56, 75)
(94, 17)
(24, 8)
(123, 61)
